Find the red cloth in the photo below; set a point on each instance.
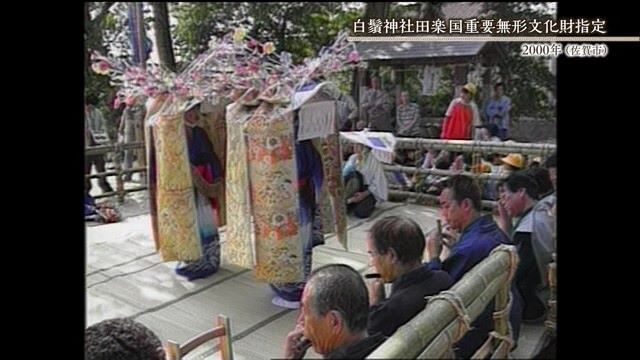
(207, 175)
(457, 122)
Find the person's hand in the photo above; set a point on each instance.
(293, 343)
(449, 236)
(503, 219)
(359, 196)
(375, 288)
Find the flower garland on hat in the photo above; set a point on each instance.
(235, 62)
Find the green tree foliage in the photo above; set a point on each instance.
(95, 84)
(98, 19)
(198, 22)
(298, 28)
(528, 80)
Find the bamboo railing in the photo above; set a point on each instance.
(475, 147)
(118, 149)
(448, 315)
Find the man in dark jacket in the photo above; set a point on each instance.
(395, 246)
(478, 236)
(333, 317)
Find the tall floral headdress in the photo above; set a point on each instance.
(235, 62)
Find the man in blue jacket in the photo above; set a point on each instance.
(461, 209)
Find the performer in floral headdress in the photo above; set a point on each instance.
(264, 167)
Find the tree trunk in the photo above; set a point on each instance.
(87, 21)
(282, 30)
(163, 35)
(430, 11)
(376, 10)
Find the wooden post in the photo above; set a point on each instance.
(226, 350)
(141, 153)
(119, 180)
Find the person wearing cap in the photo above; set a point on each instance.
(461, 115)
(512, 162)
(508, 164)
(496, 110)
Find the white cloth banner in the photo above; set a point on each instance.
(317, 120)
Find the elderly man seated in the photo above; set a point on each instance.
(333, 318)
(395, 245)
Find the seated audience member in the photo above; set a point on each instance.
(488, 132)
(121, 339)
(395, 246)
(479, 235)
(365, 182)
(333, 317)
(532, 234)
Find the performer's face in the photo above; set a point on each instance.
(191, 117)
(465, 95)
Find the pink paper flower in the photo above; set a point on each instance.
(100, 67)
(268, 48)
(251, 44)
(353, 57)
(239, 34)
(240, 70)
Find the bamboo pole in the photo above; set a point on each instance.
(501, 322)
(126, 191)
(112, 173)
(439, 319)
(502, 351)
(486, 147)
(474, 146)
(442, 324)
(103, 149)
(141, 153)
(420, 197)
(412, 170)
(119, 183)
